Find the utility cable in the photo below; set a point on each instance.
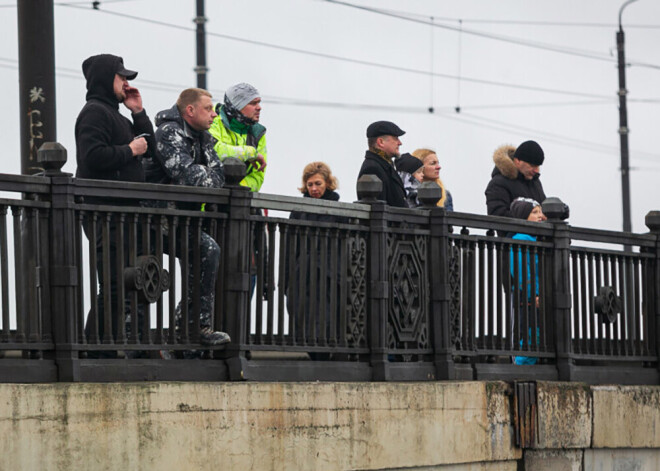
(358, 61)
(509, 39)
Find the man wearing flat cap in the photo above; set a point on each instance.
(108, 148)
(383, 141)
(516, 174)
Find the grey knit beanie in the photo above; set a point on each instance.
(241, 94)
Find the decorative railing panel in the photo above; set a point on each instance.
(93, 274)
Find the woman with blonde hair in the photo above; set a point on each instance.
(432, 174)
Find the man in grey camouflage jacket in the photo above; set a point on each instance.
(185, 156)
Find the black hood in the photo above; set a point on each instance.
(100, 73)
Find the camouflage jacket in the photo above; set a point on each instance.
(183, 155)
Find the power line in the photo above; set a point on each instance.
(358, 61)
(168, 86)
(509, 39)
(561, 139)
(518, 22)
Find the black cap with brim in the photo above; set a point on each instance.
(124, 72)
(384, 128)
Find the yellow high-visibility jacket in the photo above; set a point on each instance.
(242, 141)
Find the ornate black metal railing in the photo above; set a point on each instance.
(102, 281)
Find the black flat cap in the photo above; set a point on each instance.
(384, 128)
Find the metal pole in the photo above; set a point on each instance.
(36, 79)
(623, 124)
(201, 69)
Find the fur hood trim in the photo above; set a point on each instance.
(503, 158)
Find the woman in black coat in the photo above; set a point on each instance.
(319, 183)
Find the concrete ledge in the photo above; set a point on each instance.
(564, 415)
(250, 426)
(626, 417)
(621, 460)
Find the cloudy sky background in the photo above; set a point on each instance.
(326, 70)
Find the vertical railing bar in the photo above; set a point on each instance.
(172, 236)
(184, 257)
(322, 338)
(637, 324)
(533, 296)
(218, 234)
(34, 327)
(258, 237)
(600, 326)
(303, 287)
(313, 277)
(292, 283)
(622, 334)
(509, 312)
(107, 281)
(618, 328)
(337, 278)
(145, 235)
(93, 320)
(584, 313)
(501, 309)
(592, 342)
(282, 282)
(630, 306)
(194, 320)
(543, 295)
(80, 320)
(119, 269)
(526, 298)
(575, 264)
(491, 311)
(517, 315)
(270, 298)
(482, 295)
(466, 294)
(342, 243)
(160, 335)
(4, 274)
(17, 213)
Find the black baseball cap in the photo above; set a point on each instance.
(384, 128)
(124, 72)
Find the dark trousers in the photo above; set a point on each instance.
(108, 262)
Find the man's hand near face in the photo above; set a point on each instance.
(133, 100)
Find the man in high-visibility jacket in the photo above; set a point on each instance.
(239, 133)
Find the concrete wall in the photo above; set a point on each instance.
(458, 426)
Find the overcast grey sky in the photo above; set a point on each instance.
(317, 107)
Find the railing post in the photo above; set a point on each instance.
(429, 194)
(236, 268)
(62, 273)
(368, 188)
(560, 293)
(652, 221)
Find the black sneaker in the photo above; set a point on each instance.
(207, 336)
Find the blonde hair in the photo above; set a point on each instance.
(322, 169)
(422, 154)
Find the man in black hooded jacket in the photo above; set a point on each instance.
(107, 149)
(106, 143)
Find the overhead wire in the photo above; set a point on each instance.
(509, 39)
(357, 61)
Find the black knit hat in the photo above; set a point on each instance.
(408, 163)
(530, 152)
(522, 207)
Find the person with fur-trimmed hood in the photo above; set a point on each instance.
(516, 174)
